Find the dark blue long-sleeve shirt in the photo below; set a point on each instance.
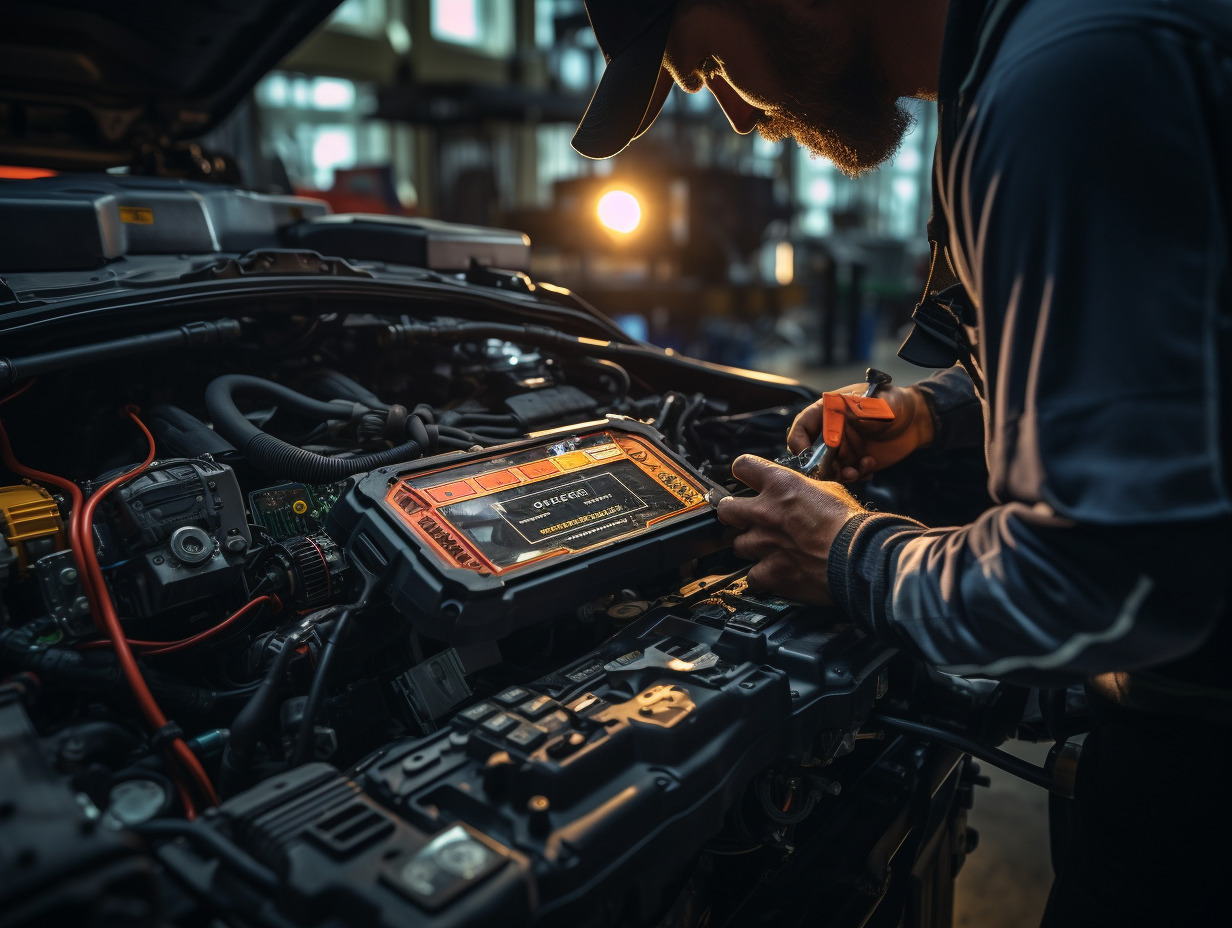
(1086, 188)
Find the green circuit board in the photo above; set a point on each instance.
(293, 508)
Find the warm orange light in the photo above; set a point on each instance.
(620, 211)
(784, 263)
(11, 172)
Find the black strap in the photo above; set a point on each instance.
(939, 338)
(164, 737)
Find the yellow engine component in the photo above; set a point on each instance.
(31, 523)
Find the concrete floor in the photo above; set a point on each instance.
(1005, 881)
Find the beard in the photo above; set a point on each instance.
(836, 103)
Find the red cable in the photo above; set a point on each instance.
(128, 663)
(81, 542)
(18, 392)
(169, 647)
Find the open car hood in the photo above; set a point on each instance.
(85, 83)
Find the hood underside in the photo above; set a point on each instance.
(86, 83)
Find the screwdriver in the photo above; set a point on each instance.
(811, 460)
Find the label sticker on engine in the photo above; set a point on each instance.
(572, 509)
(137, 215)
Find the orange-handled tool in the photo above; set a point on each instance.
(834, 408)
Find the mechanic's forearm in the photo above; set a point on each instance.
(1028, 597)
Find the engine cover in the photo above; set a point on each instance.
(579, 798)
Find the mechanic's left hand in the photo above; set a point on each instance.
(787, 528)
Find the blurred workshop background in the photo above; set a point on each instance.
(720, 246)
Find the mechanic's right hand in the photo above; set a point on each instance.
(868, 445)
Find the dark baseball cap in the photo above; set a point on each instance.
(632, 35)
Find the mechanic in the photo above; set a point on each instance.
(1082, 192)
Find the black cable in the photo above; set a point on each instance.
(447, 432)
(457, 444)
(691, 409)
(303, 742)
(214, 845)
(249, 722)
(482, 418)
(1000, 759)
(201, 334)
(604, 366)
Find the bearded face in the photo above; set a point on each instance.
(791, 70)
(829, 95)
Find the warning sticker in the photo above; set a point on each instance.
(563, 511)
(137, 215)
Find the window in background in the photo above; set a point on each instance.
(546, 13)
(556, 159)
(485, 26)
(317, 124)
(574, 67)
(893, 200)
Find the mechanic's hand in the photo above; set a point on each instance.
(787, 528)
(868, 445)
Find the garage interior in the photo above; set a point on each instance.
(722, 247)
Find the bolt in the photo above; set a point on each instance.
(746, 685)
(81, 605)
(538, 807)
(68, 576)
(159, 559)
(795, 694)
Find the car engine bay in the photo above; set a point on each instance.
(318, 611)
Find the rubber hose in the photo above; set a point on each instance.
(604, 366)
(343, 386)
(1001, 759)
(421, 433)
(234, 425)
(214, 846)
(282, 459)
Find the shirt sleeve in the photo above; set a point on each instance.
(1026, 596)
(1092, 239)
(958, 416)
